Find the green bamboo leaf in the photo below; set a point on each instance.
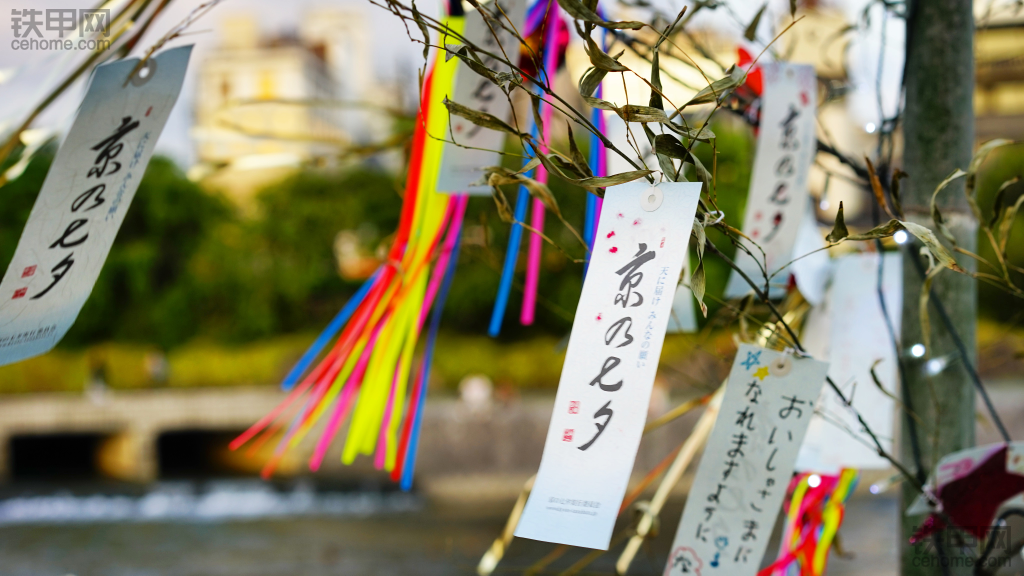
(702, 172)
(751, 32)
(656, 100)
(714, 91)
(623, 25)
(839, 230)
(668, 168)
(670, 146)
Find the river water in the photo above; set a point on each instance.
(243, 527)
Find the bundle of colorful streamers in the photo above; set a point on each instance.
(365, 375)
(814, 515)
(544, 29)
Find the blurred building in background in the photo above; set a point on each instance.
(267, 106)
(999, 88)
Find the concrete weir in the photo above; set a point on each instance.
(131, 428)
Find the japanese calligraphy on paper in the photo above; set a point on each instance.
(684, 314)
(610, 364)
(786, 147)
(461, 167)
(83, 201)
(747, 464)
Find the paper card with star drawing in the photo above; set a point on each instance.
(777, 201)
(747, 463)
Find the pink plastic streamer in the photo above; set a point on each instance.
(551, 44)
(344, 403)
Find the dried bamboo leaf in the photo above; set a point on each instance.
(926, 290)
(839, 230)
(997, 204)
(698, 285)
(927, 237)
(590, 80)
(614, 179)
(876, 187)
(504, 209)
(602, 60)
(1006, 224)
(881, 231)
(577, 157)
(482, 119)
(894, 191)
(940, 222)
(637, 113)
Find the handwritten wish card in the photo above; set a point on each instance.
(778, 187)
(610, 364)
(747, 463)
(480, 147)
(83, 201)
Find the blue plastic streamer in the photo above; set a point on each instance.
(328, 334)
(508, 271)
(428, 358)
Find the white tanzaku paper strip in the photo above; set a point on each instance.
(747, 463)
(610, 364)
(83, 201)
(850, 330)
(778, 187)
(461, 167)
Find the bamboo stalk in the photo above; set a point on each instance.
(697, 439)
